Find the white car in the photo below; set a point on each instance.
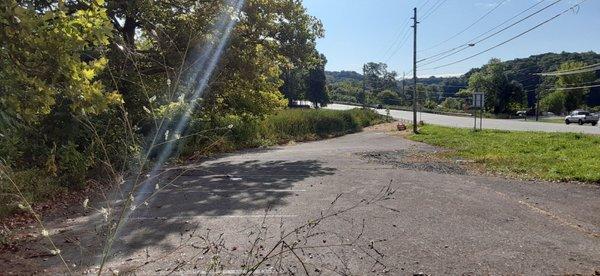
(581, 117)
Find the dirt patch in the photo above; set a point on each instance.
(415, 160)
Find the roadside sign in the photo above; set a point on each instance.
(478, 103)
(478, 100)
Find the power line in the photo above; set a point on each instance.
(568, 88)
(400, 45)
(435, 6)
(471, 42)
(421, 7)
(585, 69)
(401, 33)
(510, 39)
(468, 27)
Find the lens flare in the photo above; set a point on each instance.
(201, 65)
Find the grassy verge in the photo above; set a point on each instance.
(552, 120)
(531, 155)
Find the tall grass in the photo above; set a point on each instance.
(300, 124)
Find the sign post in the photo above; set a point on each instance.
(478, 104)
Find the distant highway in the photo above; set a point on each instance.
(467, 122)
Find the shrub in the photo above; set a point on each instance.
(34, 184)
(286, 125)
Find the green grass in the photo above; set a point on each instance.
(552, 120)
(531, 155)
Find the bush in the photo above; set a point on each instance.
(34, 184)
(453, 103)
(286, 125)
(554, 102)
(389, 97)
(310, 124)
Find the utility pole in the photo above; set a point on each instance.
(537, 106)
(404, 84)
(415, 99)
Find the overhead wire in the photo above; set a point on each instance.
(433, 8)
(584, 69)
(468, 27)
(510, 39)
(401, 33)
(472, 42)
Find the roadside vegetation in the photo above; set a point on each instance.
(284, 126)
(94, 91)
(530, 155)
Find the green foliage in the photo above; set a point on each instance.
(574, 98)
(302, 124)
(317, 84)
(502, 94)
(345, 91)
(549, 156)
(453, 103)
(42, 62)
(389, 97)
(285, 125)
(377, 77)
(554, 102)
(72, 165)
(35, 185)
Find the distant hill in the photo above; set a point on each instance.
(521, 70)
(339, 76)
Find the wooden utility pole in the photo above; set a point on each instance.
(537, 106)
(404, 84)
(415, 97)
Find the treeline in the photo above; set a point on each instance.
(89, 86)
(510, 86)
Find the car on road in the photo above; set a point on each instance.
(582, 117)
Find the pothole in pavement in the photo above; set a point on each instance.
(413, 160)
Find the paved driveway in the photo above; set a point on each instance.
(367, 203)
(467, 122)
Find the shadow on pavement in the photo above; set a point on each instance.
(212, 190)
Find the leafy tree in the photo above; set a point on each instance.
(554, 102)
(389, 97)
(453, 103)
(574, 98)
(502, 94)
(361, 97)
(316, 87)
(377, 77)
(53, 56)
(52, 61)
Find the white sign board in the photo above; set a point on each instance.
(478, 100)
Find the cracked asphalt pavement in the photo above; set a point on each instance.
(349, 205)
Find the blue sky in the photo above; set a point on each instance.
(359, 31)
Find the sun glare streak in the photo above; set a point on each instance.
(203, 63)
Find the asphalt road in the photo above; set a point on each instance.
(367, 203)
(467, 122)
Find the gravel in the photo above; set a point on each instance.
(411, 160)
